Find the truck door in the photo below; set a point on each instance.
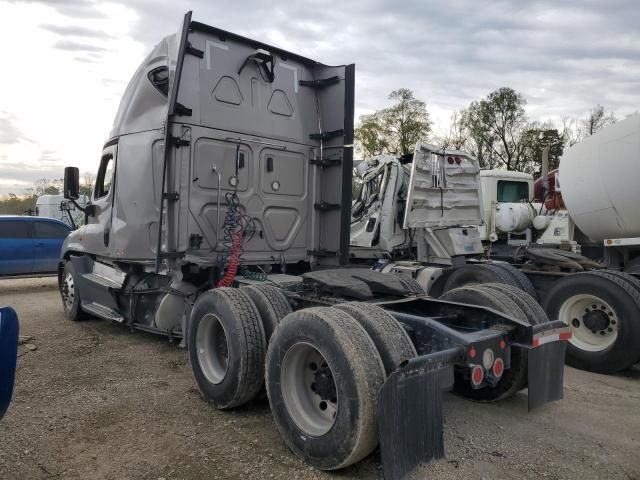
(366, 210)
(16, 247)
(97, 236)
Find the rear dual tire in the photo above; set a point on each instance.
(227, 347)
(271, 303)
(479, 274)
(602, 309)
(324, 367)
(323, 377)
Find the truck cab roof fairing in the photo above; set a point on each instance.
(143, 106)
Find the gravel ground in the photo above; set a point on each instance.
(94, 400)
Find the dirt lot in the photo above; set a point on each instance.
(96, 401)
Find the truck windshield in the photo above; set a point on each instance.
(512, 191)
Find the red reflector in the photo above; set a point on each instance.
(565, 336)
(477, 374)
(498, 368)
(458, 160)
(472, 353)
(535, 343)
(503, 344)
(450, 160)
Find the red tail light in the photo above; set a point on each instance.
(477, 375)
(498, 368)
(450, 160)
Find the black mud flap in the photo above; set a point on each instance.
(410, 413)
(546, 372)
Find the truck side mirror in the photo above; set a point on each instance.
(71, 183)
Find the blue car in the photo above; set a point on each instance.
(30, 245)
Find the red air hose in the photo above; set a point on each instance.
(234, 261)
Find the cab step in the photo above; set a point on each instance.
(103, 312)
(102, 280)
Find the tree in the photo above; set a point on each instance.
(496, 126)
(13, 204)
(86, 187)
(535, 139)
(396, 129)
(406, 122)
(456, 137)
(572, 131)
(45, 186)
(597, 120)
(370, 135)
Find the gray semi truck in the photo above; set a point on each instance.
(221, 217)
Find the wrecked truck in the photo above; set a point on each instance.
(427, 217)
(220, 217)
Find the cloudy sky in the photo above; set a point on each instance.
(66, 62)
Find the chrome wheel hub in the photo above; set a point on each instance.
(68, 291)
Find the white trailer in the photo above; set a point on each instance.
(55, 206)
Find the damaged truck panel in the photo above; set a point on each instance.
(444, 189)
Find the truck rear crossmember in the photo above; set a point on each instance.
(480, 357)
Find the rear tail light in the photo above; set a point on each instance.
(450, 160)
(458, 160)
(498, 368)
(477, 375)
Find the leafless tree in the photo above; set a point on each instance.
(597, 119)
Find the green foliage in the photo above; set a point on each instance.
(13, 204)
(535, 139)
(370, 135)
(406, 122)
(496, 126)
(394, 130)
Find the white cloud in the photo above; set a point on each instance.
(71, 61)
(64, 106)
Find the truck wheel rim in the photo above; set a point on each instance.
(594, 324)
(309, 389)
(68, 291)
(212, 348)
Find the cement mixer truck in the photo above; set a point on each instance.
(588, 205)
(555, 248)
